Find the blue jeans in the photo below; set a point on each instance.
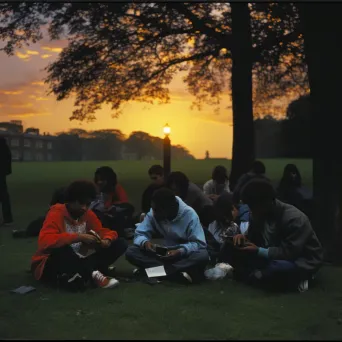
(271, 273)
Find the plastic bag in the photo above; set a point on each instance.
(220, 271)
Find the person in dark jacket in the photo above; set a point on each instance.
(156, 174)
(257, 170)
(280, 247)
(5, 170)
(192, 195)
(291, 190)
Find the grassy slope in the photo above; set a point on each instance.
(218, 310)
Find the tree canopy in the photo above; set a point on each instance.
(120, 52)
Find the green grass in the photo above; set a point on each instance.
(213, 310)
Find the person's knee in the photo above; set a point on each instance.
(200, 257)
(132, 252)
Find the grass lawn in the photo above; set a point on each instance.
(213, 310)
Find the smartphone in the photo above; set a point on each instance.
(161, 250)
(95, 234)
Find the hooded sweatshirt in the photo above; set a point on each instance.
(184, 231)
(288, 235)
(60, 230)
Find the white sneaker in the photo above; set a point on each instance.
(103, 281)
(187, 277)
(303, 286)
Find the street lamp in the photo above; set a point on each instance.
(167, 150)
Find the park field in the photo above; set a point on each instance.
(213, 310)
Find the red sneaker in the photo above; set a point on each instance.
(103, 281)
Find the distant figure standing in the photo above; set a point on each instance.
(290, 190)
(219, 183)
(207, 155)
(5, 170)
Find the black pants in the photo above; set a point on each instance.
(5, 201)
(65, 261)
(194, 264)
(275, 274)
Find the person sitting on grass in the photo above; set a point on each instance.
(156, 174)
(219, 183)
(280, 247)
(34, 227)
(257, 171)
(224, 226)
(291, 190)
(111, 205)
(186, 255)
(192, 195)
(73, 247)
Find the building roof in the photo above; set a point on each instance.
(27, 135)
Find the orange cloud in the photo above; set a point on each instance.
(28, 115)
(31, 52)
(38, 83)
(22, 56)
(10, 92)
(27, 105)
(45, 56)
(52, 49)
(38, 98)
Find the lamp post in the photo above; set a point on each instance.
(167, 150)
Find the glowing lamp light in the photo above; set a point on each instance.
(167, 129)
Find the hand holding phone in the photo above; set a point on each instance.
(161, 251)
(92, 232)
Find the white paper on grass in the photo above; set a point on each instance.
(153, 272)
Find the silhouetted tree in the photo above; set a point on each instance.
(296, 129)
(324, 55)
(119, 52)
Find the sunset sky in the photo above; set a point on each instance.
(23, 96)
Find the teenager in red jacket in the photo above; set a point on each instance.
(73, 247)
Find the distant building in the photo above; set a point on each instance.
(29, 145)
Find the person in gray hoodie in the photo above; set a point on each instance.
(280, 247)
(179, 225)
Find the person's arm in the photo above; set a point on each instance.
(196, 237)
(144, 231)
(298, 232)
(207, 188)
(51, 235)
(121, 194)
(93, 223)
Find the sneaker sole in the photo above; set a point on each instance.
(111, 286)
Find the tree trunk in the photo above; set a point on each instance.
(243, 125)
(322, 35)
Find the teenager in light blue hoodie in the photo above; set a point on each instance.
(183, 235)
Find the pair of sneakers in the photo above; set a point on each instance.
(77, 283)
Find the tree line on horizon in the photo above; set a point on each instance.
(112, 144)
